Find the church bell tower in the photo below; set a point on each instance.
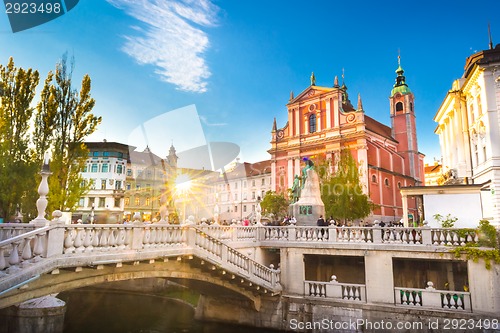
(403, 121)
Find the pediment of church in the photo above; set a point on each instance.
(309, 93)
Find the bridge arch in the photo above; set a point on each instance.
(190, 273)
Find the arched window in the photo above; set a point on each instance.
(399, 106)
(312, 123)
(386, 182)
(374, 179)
(411, 107)
(399, 184)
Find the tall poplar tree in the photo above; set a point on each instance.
(64, 120)
(342, 192)
(17, 90)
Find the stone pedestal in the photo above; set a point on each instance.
(44, 314)
(309, 207)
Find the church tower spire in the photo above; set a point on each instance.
(403, 122)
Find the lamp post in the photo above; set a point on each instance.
(43, 190)
(92, 213)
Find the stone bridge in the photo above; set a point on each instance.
(38, 261)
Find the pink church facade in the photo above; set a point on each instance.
(322, 121)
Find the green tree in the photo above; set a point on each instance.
(17, 90)
(342, 192)
(275, 204)
(64, 119)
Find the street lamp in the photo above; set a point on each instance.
(92, 213)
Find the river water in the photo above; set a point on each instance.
(110, 312)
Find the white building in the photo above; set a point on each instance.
(469, 129)
(105, 171)
(238, 191)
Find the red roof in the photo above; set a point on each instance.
(378, 128)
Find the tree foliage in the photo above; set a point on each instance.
(67, 119)
(274, 204)
(342, 192)
(17, 90)
(58, 124)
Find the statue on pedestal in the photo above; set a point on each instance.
(307, 205)
(296, 187)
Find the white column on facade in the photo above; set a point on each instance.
(335, 113)
(318, 121)
(452, 151)
(446, 140)
(405, 210)
(273, 176)
(306, 124)
(441, 144)
(297, 121)
(297, 166)
(363, 165)
(291, 122)
(328, 114)
(289, 172)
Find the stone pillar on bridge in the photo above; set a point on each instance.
(292, 270)
(379, 278)
(483, 286)
(43, 314)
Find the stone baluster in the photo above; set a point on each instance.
(39, 247)
(27, 253)
(3, 262)
(112, 238)
(120, 238)
(69, 241)
(14, 254)
(79, 240)
(87, 241)
(104, 241)
(96, 237)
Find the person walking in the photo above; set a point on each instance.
(321, 223)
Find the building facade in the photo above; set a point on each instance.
(433, 174)
(105, 171)
(322, 121)
(146, 177)
(469, 129)
(238, 191)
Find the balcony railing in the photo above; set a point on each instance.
(433, 299)
(336, 291)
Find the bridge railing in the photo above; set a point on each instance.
(10, 230)
(221, 253)
(459, 301)
(23, 248)
(418, 236)
(110, 241)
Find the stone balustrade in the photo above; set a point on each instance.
(335, 290)
(433, 299)
(14, 229)
(414, 236)
(117, 243)
(214, 249)
(22, 249)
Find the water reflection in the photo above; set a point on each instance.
(110, 312)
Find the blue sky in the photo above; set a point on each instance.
(237, 61)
